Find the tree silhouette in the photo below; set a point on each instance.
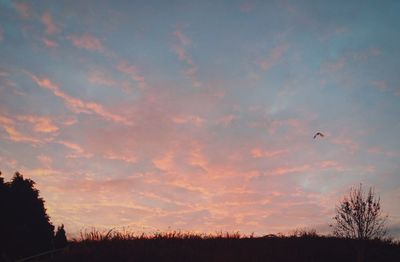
(359, 216)
(60, 239)
(25, 228)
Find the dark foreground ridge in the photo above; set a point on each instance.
(229, 248)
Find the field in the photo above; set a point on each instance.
(176, 246)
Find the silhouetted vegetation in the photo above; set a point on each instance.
(60, 238)
(25, 228)
(301, 245)
(359, 216)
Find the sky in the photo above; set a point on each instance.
(199, 115)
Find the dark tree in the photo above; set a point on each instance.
(24, 224)
(359, 216)
(60, 239)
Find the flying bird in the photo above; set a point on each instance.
(318, 134)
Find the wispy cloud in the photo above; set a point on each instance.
(185, 119)
(87, 42)
(47, 21)
(9, 127)
(78, 105)
(258, 153)
(49, 43)
(78, 151)
(132, 71)
(274, 57)
(40, 123)
(101, 78)
(23, 9)
(181, 49)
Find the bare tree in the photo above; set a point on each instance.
(359, 216)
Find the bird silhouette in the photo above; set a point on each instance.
(318, 134)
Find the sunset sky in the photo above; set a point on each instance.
(199, 115)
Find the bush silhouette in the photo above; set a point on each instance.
(60, 239)
(25, 228)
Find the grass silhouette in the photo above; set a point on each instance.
(301, 245)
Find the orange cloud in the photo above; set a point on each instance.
(45, 160)
(78, 105)
(165, 162)
(79, 152)
(257, 153)
(48, 22)
(196, 156)
(41, 124)
(126, 158)
(289, 169)
(86, 42)
(194, 120)
(9, 127)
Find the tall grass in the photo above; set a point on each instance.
(94, 235)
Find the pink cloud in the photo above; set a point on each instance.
(23, 10)
(49, 43)
(289, 169)
(132, 71)
(184, 41)
(247, 6)
(128, 158)
(40, 123)
(185, 119)
(46, 161)
(348, 143)
(165, 162)
(379, 150)
(48, 22)
(328, 164)
(9, 127)
(1, 34)
(78, 105)
(87, 42)
(258, 153)
(380, 85)
(227, 119)
(183, 55)
(274, 57)
(181, 49)
(101, 78)
(196, 156)
(78, 151)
